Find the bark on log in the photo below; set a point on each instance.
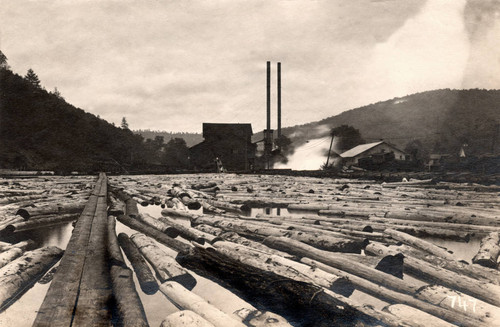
(159, 225)
(286, 297)
(23, 245)
(488, 253)
(75, 207)
(179, 213)
(210, 208)
(312, 237)
(131, 208)
(239, 208)
(340, 262)
(395, 297)
(460, 267)
(235, 238)
(116, 206)
(166, 268)
(147, 282)
(203, 185)
(128, 309)
(22, 273)
(280, 266)
(185, 198)
(209, 229)
(185, 318)
(420, 244)
(187, 300)
(36, 223)
(255, 318)
(423, 270)
(156, 234)
(457, 301)
(416, 317)
(9, 255)
(188, 233)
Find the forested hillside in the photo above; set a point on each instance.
(40, 130)
(435, 121)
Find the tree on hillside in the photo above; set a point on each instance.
(417, 151)
(3, 61)
(346, 137)
(176, 155)
(32, 78)
(57, 94)
(124, 124)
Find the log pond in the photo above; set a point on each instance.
(261, 217)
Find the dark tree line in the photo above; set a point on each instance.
(41, 131)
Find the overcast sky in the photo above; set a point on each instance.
(172, 65)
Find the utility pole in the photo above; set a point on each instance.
(329, 150)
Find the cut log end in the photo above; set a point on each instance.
(23, 213)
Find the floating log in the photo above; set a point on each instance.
(166, 268)
(154, 233)
(235, 238)
(460, 267)
(95, 290)
(9, 255)
(19, 275)
(131, 208)
(185, 198)
(315, 237)
(457, 301)
(187, 300)
(420, 244)
(382, 292)
(415, 317)
(188, 233)
(59, 304)
(253, 317)
(159, 225)
(116, 206)
(203, 185)
(340, 262)
(296, 299)
(144, 275)
(37, 223)
(488, 253)
(209, 229)
(485, 291)
(210, 208)
(128, 309)
(179, 213)
(279, 266)
(52, 209)
(239, 208)
(185, 318)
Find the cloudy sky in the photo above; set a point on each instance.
(172, 65)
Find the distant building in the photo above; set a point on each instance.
(226, 145)
(375, 153)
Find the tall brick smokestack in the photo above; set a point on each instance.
(268, 95)
(279, 99)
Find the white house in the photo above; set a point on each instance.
(379, 151)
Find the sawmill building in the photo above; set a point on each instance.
(230, 144)
(376, 153)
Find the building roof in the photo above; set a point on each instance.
(357, 150)
(227, 129)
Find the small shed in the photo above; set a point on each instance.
(378, 152)
(229, 144)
